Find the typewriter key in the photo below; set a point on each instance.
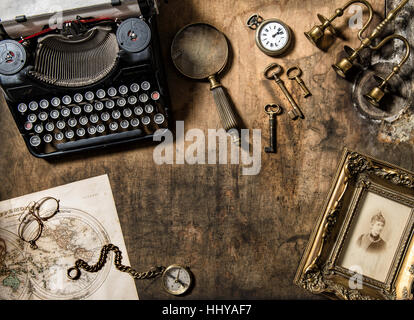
(78, 98)
(22, 107)
(101, 93)
(121, 102)
(38, 128)
(59, 136)
(100, 128)
(35, 141)
(155, 96)
(28, 125)
(123, 90)
(110, 104)
(113, 126)
(60, 124)
(116, 114)
(149, 108)
(145, 85)
(134, 87)
(76, 110)
(138, 111)
(32, 117)
(94, 118)
(80, 132)
(112, 92)
(65, 112)
(134, 122)
(72, 122)
(33, 106)
(83, 120)
(132, 100)
(92, 130)
(50, 126)
(159, 118)
(143, 98)
(48, 138)
(146, 120)
(69, 134)
(54, 114)
(124, 124)
(88, 108)
(89, 96)
(44, 104)
(55, 102)
(67, 100)
(105, 116)
(127, 112)
(99, 106)
(43, 116)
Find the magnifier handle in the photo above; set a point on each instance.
(225, 111)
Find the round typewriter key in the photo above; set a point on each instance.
(80, 132)
(99, 106)
(94, 118)
(116, 114)
(101, 93)
(44, 104)
(121, 102)
(28, 125)
(33, 105)
(113, 126)
(38, 128)
(22, 107)
(35, 141)
(78, 98)
(134, 87)
(159, 118)
(124, 124)
(143, 98)
(76, 110)
(88, 108)
(72, 122)
(145, 85)
(100, 128)
(105, 116)
(55, 102)
(132, 100)
(145, 120)
(32, 117)
(83, 120)
(134, 122)
(123, 90)
(54, 114)
(69, 134)
(48, 138)
(59, 136)
(65, 112)
(112, 92)
(110, 104)
(149, 108)
(138, 111)
(50, 126)
(155, 96)
(127, 113)
(43, 116)
(67, 100)
(60, 124)
(92, 130)
(89, 96)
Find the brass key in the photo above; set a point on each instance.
(292, 75)
(272, 110)
(277, 69)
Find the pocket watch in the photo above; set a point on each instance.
(177, 279)
(273, 36)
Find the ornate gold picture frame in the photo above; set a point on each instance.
(363, 244)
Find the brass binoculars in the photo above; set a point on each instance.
(344, 66)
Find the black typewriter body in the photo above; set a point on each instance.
(57, 114)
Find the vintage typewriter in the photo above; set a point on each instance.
(85, 75)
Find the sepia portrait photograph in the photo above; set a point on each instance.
(373, 240)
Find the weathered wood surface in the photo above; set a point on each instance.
(242, 236)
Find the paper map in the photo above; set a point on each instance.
(87, 220)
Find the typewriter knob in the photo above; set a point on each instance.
(12, 57)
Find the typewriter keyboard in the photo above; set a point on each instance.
(90, 118)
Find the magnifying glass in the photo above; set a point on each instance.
(200, 51)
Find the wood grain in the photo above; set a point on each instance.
(242, 236)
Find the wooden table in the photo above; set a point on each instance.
(242, 236)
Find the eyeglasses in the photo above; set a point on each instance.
(33, 217)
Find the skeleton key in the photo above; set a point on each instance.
(272, 110)
(292, 75)
(295, 111)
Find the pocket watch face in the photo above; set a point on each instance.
(177, 279)
(274, 36)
